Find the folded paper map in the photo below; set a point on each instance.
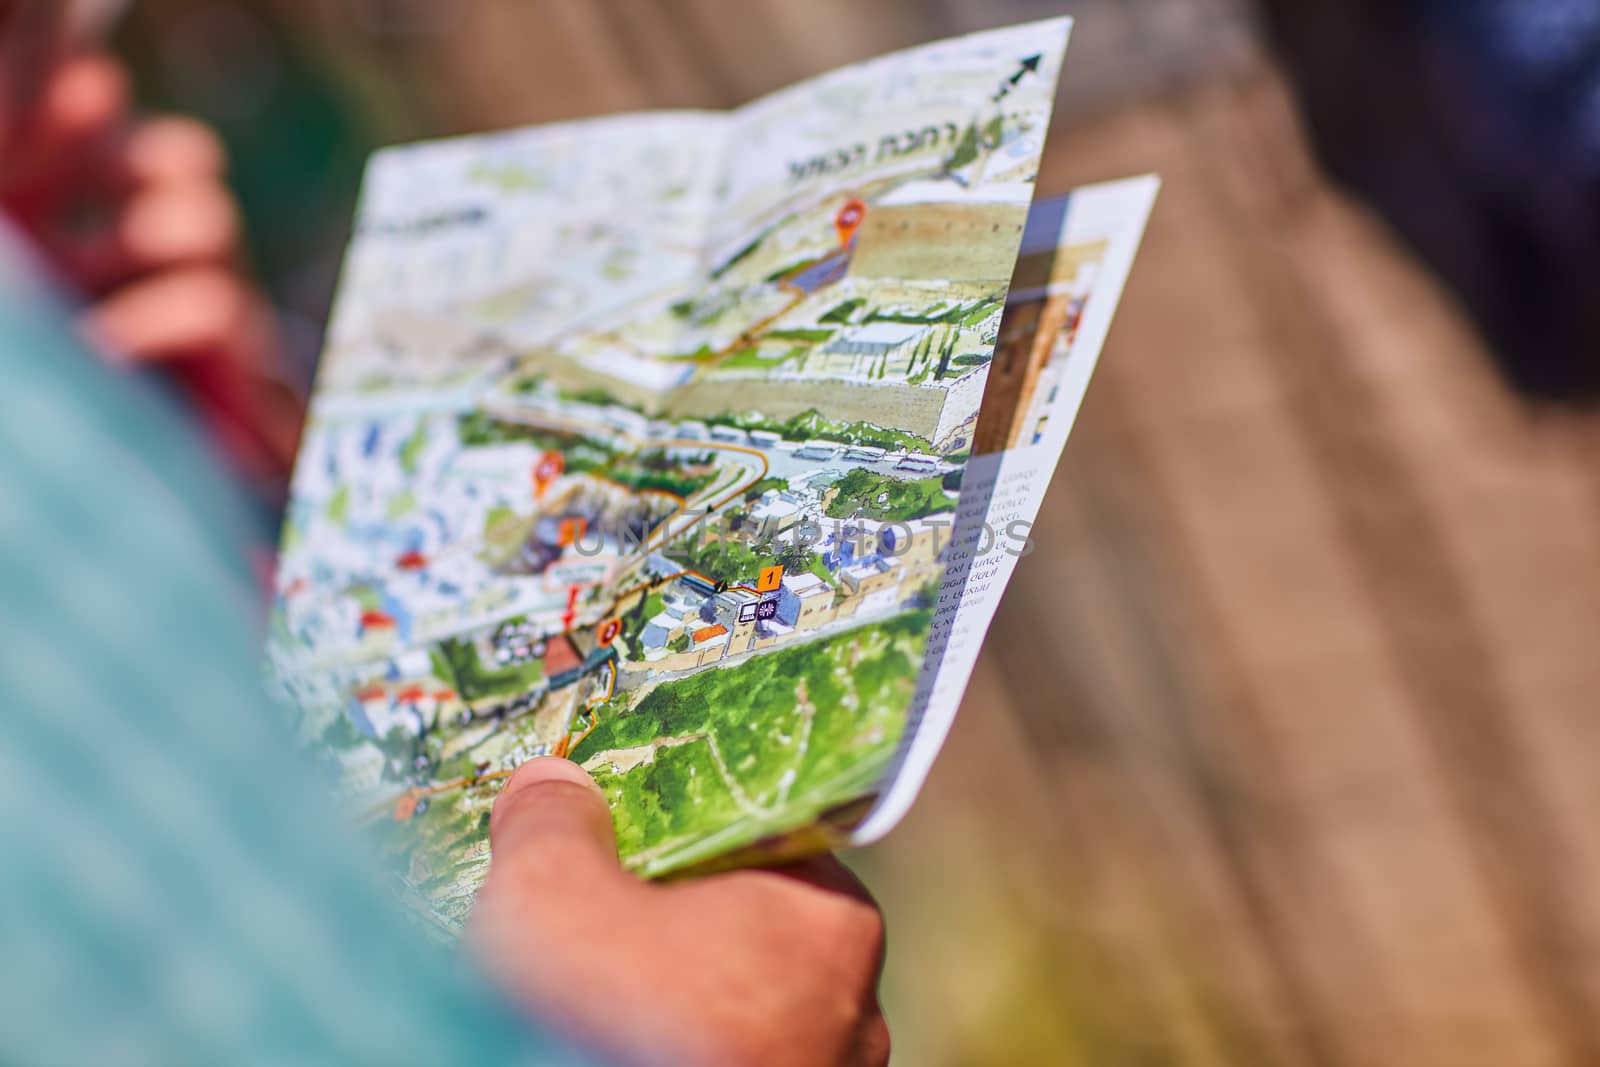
(650, 441)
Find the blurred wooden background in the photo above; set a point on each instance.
(1282, 751)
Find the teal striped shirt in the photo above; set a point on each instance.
(173, 886)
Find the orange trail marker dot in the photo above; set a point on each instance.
(848, 220)
(405, 807)
(572, 530)
(549, 467)
(608, 631)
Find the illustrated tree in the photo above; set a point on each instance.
(966, 150)
(947, 347)
(794, 555)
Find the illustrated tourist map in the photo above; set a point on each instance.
(648, 441)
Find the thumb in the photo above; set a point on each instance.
(552, 850)
(551, 830)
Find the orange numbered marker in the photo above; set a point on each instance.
(770, 579)
(609, 631)
(405, 807)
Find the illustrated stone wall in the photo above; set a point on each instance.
(915, 241)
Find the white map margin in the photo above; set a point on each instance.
(1117, 211)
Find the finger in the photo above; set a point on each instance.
(85, 95)
(872, 1042)
(861, 914)
(551, 828)
(218, 337)
(162, 226)
(172, 149)
(828, 872)
(79, 107)
(149, 198)
(194, 313)
(175, 223)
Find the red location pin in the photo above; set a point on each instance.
(572, 606)
(551, 465)
(848, 219)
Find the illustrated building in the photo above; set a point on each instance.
(562, 662)
(777, 510)
(868, 577)
(805, 602)
(924, 548)
(660, 631)
(818, 450)
(707, 634)
(730, 608)
(735, 610)
(876, 339)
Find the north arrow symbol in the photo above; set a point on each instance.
(1029, 66)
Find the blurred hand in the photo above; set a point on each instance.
(771, 967)
(135, 216)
